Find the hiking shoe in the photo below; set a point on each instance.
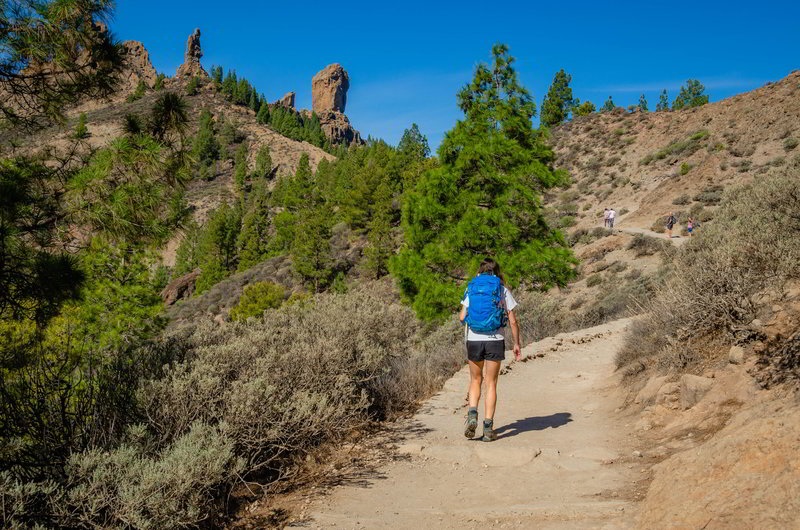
(488, 431)
(471, 424)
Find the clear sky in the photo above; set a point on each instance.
(408, 59)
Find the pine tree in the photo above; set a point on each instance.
(81, 131)
(608, 106)
(253, 242)
(159, 84)
(240, 166)
(691, 95)
(379, 236)
(558, 102)
(263, 163)
(311, 248)
(192, 86)
(663, 101)
(216, 74)
(205, 147)
(263, 114)
(414, 144)
(585, 108)
(483, 199)
(642, 106)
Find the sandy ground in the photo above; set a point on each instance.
(563, 458)
(676, 238)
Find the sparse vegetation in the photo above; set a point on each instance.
(643, 245)
(715, 303)
(687, 147)
(790, 143)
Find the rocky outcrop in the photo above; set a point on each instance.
(329, 89)
(328, 99)
(180, 288)
(191, 66)
(286, 101)
(337, 128)
(136, 66)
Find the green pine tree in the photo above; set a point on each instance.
(263, 114)
(608, 106)
(483, 200)
(311, 248)
(663, 101)
(240, 165)
(585, 108)
(253, 241)
(380, 244)
(692, 94)
(558, 102)
(263, 163)
(414, 144)
(642, 106)
(81, 131)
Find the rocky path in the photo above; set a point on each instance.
(562, 459)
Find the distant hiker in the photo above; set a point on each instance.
(605, 217)
(486, 307)
(671, 222)
(690, 226)
(612, 214)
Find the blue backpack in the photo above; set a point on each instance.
(486, 312)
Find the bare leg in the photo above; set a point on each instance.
(492, 371)
(475, 379)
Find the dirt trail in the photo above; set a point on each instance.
(562, 459)
(676, 238)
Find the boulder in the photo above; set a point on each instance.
(136, 66)
(736, 355)
(180, 288)
(191, 66)
(693, 388)
(648, 393)
(329, 89)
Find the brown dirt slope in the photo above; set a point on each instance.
(652, 163)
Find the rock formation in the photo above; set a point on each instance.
(286, 101)
(329, 89)
(136, 66)
(337, 128)
(191, 66)
(180, 288)
(328, 99)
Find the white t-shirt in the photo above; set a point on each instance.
(612, 214)
(497, 335)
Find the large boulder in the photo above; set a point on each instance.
(136, 66)
(191, 66)
(180, 288)
(337, 128)
(329, 89)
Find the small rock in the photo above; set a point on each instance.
(756, 323)
(637, 454)
(693, 388)
(736, 355)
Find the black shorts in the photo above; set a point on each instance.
(486, 350)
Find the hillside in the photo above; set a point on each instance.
(634, 162)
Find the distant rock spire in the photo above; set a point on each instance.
(191, 66)
(329, 89)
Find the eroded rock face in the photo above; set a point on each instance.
(286, 101)
(329, 89)
(337, 128)
(191, 66)
(136, 66)
(180, 288)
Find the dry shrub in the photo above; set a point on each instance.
(718, 279)
(246, 400)
(643, 245)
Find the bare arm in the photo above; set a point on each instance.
(463, 314)
(512, 319)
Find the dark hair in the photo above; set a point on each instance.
(490, 266)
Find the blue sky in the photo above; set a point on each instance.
(407, 60)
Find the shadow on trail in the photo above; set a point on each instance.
(534, 423)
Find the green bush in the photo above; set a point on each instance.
(687, 146)
(81, 131)
(643, 245)
(683, 199)
(685, 168)
(257, 298)
(710, 195)
(138, 92)
(790, 143)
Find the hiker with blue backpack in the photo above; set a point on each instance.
(486, 308)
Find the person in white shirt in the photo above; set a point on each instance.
(612, 214)
(488, 349)
(605, 217)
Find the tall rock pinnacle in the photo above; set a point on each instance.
(329, 89)
(191, 66)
